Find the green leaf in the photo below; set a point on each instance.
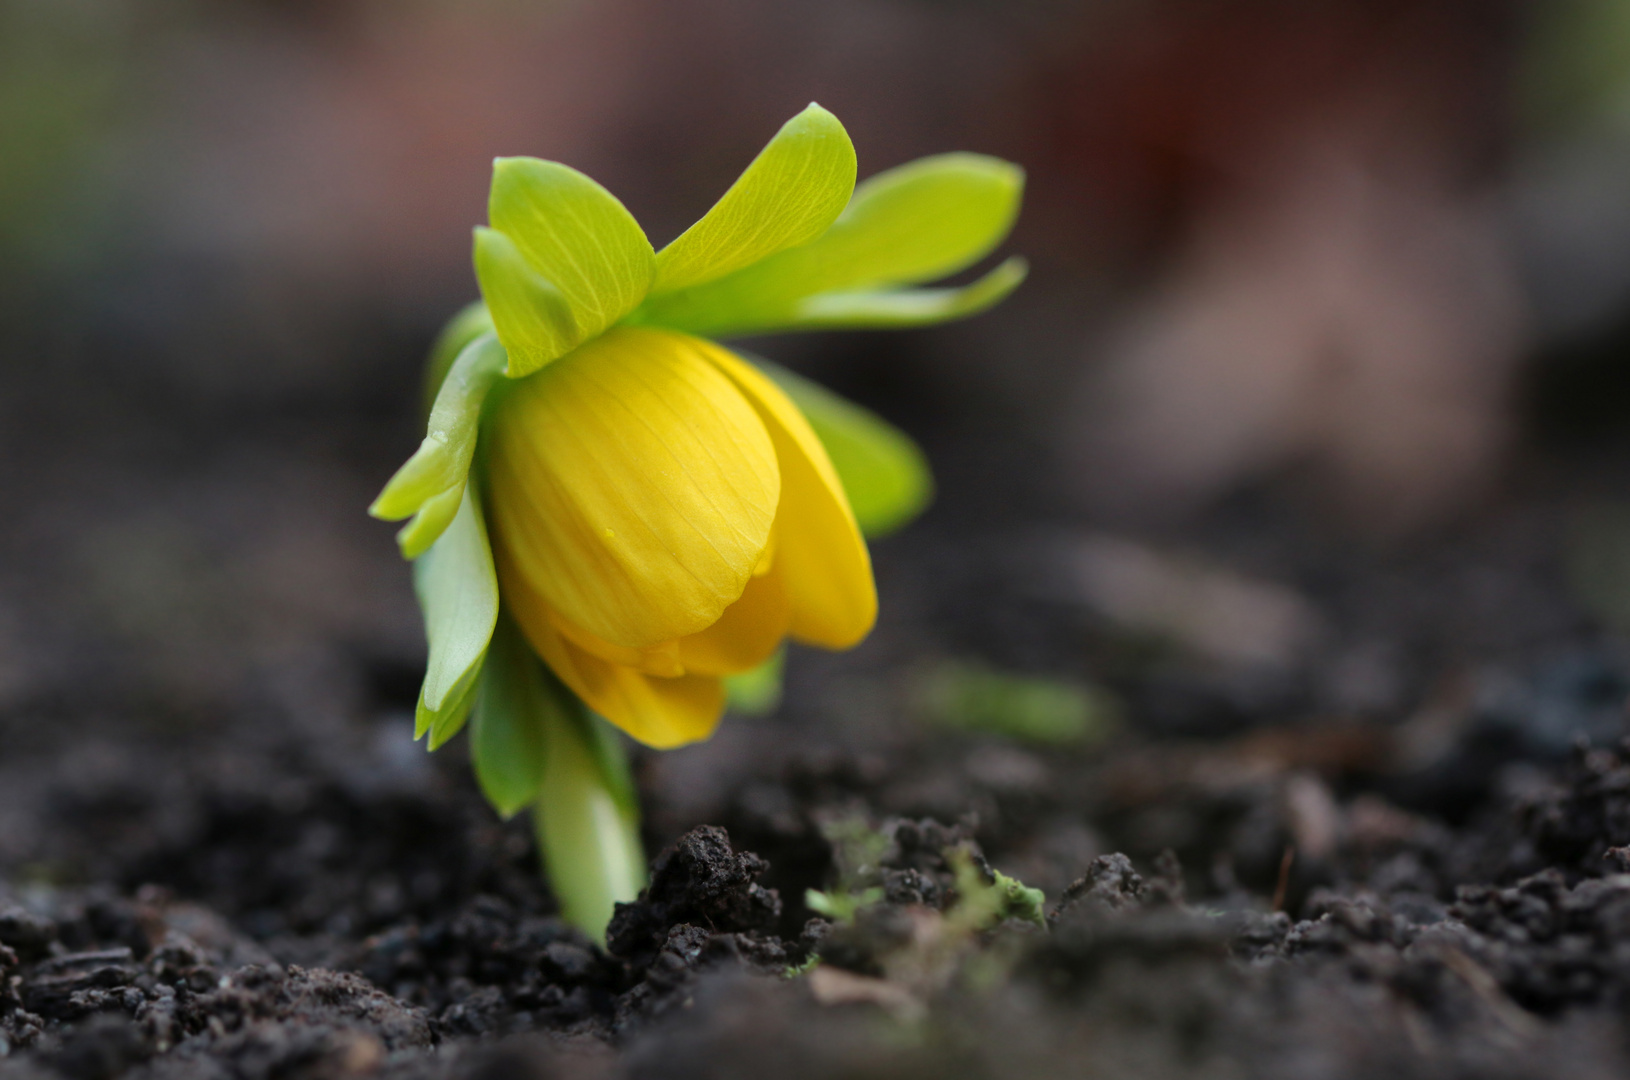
(841, 907)
(795, 188)
(588, 827)
(471, 322)
(507, 730)
(578, 240)
(921, 221)
(907, 307)
(458, 593)
(444, 721)
(430, 484)
(1020, 901)
(986, 896)
(529, 314)
(884, 473)
(431, 520)
(971, 697)
(757, 692)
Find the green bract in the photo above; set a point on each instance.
(788, 196)
(429, 487)
(794, 244)
(458, 592)
(903, 227)
(506, 746)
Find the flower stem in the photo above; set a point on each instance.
(587, 820)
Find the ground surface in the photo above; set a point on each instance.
(1365, 813)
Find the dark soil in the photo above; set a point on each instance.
(1402, 852)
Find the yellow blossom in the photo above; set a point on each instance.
(651, 510)
(663, 516)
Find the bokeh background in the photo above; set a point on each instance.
(1320, 384)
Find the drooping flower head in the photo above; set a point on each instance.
(605, 488)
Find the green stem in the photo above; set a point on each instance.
(587, 820)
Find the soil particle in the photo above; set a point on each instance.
(26, 935)
(1549, 945)
(488, 968)
(1109, 883)
(703, 910)
(702, 881)
(93, 1012)
(1575, 824)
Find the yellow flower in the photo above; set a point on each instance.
(651, 512)
(662, 516)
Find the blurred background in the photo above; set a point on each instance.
(1319, 389)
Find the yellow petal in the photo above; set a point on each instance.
(819, 555)
(747, 634)
(633, 486)
(660, 659)
(767, 559)
(659, 712)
